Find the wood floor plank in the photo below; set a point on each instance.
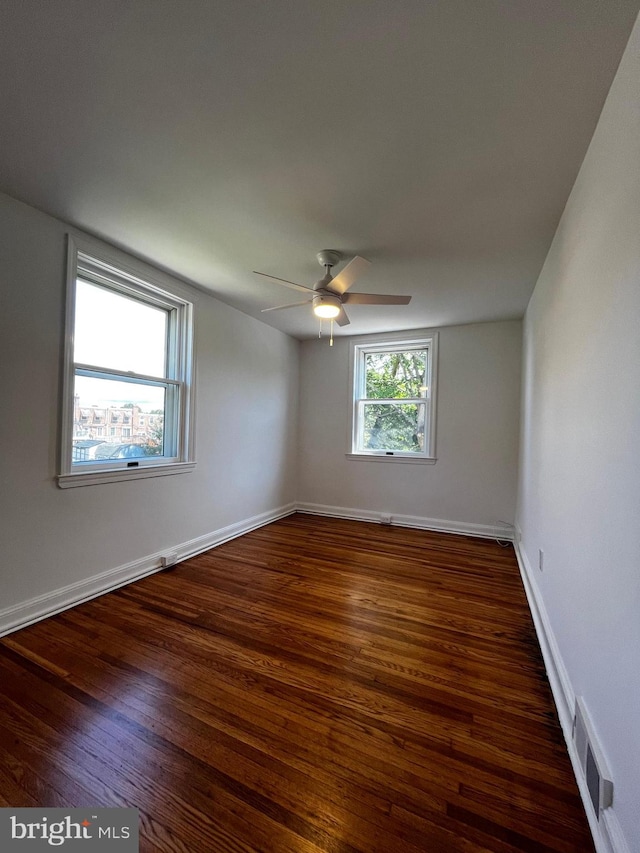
(315, 685)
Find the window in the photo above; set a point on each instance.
(128, 354)
(393, 414)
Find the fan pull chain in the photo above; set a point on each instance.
(319, 329)
(331, 338)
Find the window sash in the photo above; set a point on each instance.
(114, 278)
(363, 350)
(108, 321)
(422, 407)
(365, 372)
(174, 395)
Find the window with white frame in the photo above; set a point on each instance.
(128, 360)
(393, 414)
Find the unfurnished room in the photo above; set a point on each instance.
(320, 375)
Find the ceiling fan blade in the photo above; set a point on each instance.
(285, 282)
(289, 305)
(342, 319)
(375, 299)
(349, 274)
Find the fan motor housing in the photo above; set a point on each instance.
(329, 257)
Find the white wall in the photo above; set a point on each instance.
(474, 480)
(579, 492)
(246, 431)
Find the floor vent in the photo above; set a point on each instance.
(592, 763)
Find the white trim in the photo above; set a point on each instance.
(94, 478)
(136, 267)
(126, 274)
(607, 833)
(66, 419)
(485, 531)
(612, 834)
(558, 677)
(43, 606)
(411, 338)
(392, 457)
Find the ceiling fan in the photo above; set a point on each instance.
(329, 295)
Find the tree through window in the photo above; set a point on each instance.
(393, 399)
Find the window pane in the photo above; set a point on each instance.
(117, 420)
(393, 426)
(395, 374)
(119, 333)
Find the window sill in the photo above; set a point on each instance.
(95, 478)
(412, 460)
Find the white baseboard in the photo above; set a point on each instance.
(42, 606)
(486, 531)
(607, 833)
(612, 833)
(561, 688)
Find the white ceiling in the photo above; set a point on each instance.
(438, 138)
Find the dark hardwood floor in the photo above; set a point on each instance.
(316, 685)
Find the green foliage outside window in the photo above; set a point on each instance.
(394, 376)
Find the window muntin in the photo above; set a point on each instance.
(393, 399)
(128, 396)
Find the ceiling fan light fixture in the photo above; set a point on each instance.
(330, 294)
(326, 307)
